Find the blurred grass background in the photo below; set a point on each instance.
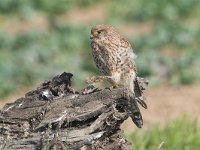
(43, 38)
(181, 134)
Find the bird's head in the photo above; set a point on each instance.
(103, 33)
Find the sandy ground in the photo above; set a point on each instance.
(164, 104)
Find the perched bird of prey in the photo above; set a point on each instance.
(114, 57)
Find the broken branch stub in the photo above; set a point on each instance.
(56, 116)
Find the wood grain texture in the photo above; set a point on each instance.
(54, 115)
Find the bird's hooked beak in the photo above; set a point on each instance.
(94, 34)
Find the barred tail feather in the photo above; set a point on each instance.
(135, 113)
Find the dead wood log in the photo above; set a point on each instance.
(54, 116)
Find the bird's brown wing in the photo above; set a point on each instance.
(102, 60)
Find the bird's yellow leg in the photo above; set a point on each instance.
(114, 85)
(97, 79)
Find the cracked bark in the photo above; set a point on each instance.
(56, 116)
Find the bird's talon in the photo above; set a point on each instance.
(115, 86)
(112, 87)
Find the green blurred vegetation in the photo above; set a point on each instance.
(29, 57)
(182, 134)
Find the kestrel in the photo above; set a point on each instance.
(114, 57)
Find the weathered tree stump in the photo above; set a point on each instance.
(54, 116)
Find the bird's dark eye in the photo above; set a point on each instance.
(98, 32)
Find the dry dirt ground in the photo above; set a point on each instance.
(165, 103)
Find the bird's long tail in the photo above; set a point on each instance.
(135, 113)
(135, 99)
